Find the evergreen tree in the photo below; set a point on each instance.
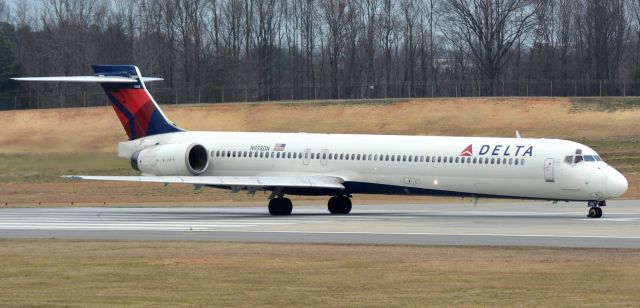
(9, 67)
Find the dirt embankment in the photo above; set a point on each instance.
(98, 130)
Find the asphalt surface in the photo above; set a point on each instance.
(510, 223)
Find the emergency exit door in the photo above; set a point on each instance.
(548, 170)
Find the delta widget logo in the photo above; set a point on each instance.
(468, 151)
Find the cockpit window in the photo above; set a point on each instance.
(571, 159)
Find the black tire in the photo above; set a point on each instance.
(280, 206)
(346, 205)
(598, 212)
(287, 206)
(592, 212)
(339, 205)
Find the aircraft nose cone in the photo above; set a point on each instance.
(616, 184)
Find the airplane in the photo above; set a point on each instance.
(341, 165)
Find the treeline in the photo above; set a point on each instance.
(301, 49)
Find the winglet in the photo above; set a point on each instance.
(518, 134)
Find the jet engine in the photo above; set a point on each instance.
(171, 159)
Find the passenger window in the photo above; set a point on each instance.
(324, 155)
(375, 157)
(410, 159)
(404, 157)
(353, 156)
(244, 154)
(393, 158)
(358, 157)
(228, 153)
(261, 154)
(427, 159)
(278, 155)
(370, 157)
(289, 155)
(295, 155)
(510, 161)
(313, 155)
(498, 161)
(421, 159)
(457, 160)
(386, 158)
(516, 161)
(439, 159)
(522, 162)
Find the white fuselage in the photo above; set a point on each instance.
(424, 165)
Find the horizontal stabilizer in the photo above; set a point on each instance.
(327, 182)
(90, 79)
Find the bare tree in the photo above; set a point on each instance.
(605, 31)
(337, 15)
(308, 26)
(410, 12)
(387, 26)
(370, 9)
(486, 31)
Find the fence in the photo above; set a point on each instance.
(91, 96)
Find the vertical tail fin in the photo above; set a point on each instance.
(138, 112)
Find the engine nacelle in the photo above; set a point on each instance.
(171, 159)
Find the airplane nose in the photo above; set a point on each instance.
(616, 184)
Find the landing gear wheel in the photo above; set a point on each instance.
(339, 205)
(598, 212)
(594, 211)
(280, 206)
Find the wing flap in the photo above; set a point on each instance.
(231, 181)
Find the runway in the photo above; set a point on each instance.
(507, 223)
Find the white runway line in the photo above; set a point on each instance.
(438, 234)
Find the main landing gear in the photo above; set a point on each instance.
(595, 210)
(280, 206)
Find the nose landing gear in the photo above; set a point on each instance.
(595, 210)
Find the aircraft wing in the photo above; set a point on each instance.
(227, 181)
